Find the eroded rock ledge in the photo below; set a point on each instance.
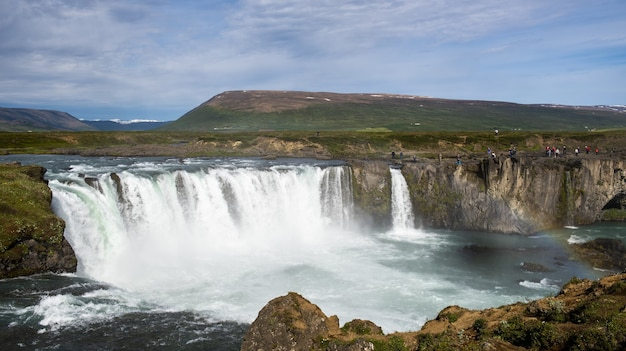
(585, 315)
(521, 195)
(31, 236)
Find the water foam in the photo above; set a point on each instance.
(223, 239)
(401, 207)
(543, 284)
(190, 240)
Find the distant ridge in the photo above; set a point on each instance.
(258, 110)
(119, 126)
(23, 119)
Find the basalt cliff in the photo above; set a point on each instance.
(519, 195)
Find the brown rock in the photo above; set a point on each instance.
(289, 323)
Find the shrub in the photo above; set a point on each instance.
(480, 327)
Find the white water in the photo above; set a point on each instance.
(401, 207)
(223, 239)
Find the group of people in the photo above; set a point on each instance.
(556, 152)
(401, 156)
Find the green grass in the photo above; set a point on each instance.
(403, 115)
(25, 209)
(337, 144)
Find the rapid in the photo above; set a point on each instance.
(183, 253)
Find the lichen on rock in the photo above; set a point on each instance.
(31, 236)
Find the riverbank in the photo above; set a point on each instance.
(584, 315)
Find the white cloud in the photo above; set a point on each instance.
(174, 55)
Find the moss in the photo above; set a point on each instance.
(26, 214)
(614, 214)
(374, 201)
(433, 198)
(530, 333)
(393, 343)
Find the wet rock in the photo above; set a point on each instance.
(602, 253)
(534, 267)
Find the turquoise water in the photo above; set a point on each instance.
(196, 247)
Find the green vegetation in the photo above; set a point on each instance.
(586, 315)
(614, 214)
(393, 343)
(25, 213)
(362, 112)
(336, 144)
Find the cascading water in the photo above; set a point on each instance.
(401, 207)
(192, 250)
(137, 220)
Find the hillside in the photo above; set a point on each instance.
(22, 119)
(320, 111)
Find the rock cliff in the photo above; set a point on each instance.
(31, 236)
(510, 195)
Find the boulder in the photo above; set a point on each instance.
(289, 322)
(602, 253)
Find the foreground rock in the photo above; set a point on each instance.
(31, 236)
(585, 315)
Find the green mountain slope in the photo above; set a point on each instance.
(290, 110)
(22, 119)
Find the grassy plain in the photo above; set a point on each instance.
(337, 144)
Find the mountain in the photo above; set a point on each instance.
(115, 125)
(253, 110)
(23, 119)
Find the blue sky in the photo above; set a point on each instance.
(157, 59)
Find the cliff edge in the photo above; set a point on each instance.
(518, 195)
(31, 236)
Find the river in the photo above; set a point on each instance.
(181, 254)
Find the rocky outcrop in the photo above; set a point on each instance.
(603, 253)
(585, 315)
(31, 236)
(289, 323)
(372, 192)
(293, 323)
(510, 195)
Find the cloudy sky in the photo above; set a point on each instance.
(157, 59)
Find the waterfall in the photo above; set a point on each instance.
(401, 207)
(123, 221)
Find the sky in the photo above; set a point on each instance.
(158, 59)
